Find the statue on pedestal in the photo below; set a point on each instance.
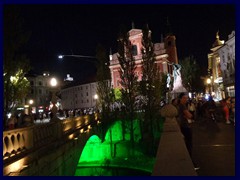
(177, 82)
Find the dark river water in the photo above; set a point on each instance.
(109, 171)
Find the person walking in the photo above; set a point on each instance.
(233, 109)
(226, 105)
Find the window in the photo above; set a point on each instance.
(134, 50)
(40, 91)
(31, 83)
(40, 83)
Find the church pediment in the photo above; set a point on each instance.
(134, 32)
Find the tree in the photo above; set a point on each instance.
(128, 77)
(151, 82)
(16, 65)
(190, 73)
(104, 90)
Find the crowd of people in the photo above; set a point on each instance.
(190, 110)
(18, 120)
(208, 109)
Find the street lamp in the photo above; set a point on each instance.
(96, 98)
(209, 82)
(84, 58)
(78, 56)
(30, 101)
(53, 83)
(62, 56)
(30, 106)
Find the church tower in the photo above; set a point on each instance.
(170, 44)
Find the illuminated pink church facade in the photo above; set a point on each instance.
(165, 51)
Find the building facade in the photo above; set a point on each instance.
(79, 96)
(41, 93)
(227, 64)
(165, 51)
(221, 67)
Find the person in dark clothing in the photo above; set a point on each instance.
(211, 108)
(183, 119)
(208, 109)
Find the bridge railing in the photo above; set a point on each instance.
(19, 142)
(172, 158)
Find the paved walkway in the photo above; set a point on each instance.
(214, 147)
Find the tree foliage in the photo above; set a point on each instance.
(190, 73)
(104, 90)
(151, 84)
(128, 77)
(16, 65)
(151, 74)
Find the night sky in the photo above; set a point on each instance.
(77, 29)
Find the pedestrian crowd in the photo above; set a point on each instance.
(190, 110)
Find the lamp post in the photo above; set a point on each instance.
(81, 56)
(85, 58)
(212, 86)
(30, 106)
(96, 98)
(53, 83)
(209, 86)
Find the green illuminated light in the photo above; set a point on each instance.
(113, 152)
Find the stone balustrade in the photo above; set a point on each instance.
(20, 141)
